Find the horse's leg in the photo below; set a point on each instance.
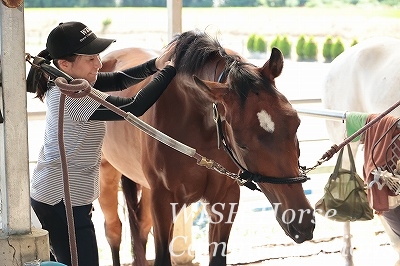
(222, 213)
(139, 218)
(162, 224)
(144, 216)
(108, 200)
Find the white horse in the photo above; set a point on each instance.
(365, 78)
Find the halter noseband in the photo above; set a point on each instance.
(246, 176)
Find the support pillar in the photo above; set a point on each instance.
(182, 237)
(18, 242)
(174, 17)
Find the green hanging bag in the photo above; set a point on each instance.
(345, 197)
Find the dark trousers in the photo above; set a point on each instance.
(393, 219)
(54, 220)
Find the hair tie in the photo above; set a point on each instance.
(45, 55)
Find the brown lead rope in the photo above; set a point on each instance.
(67, 194)
(41, 63)
(79, 87)
(335, 148)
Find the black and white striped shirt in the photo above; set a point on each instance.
(84, 130)
(83, 140)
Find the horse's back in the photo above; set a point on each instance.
(122, 144)
(364, 78)
(125, 58)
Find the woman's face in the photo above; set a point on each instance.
(84, 67)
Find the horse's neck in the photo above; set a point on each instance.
(183, 97)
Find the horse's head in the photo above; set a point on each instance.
(258, 123)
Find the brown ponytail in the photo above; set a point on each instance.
(37, 79)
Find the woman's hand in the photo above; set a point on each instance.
(166, 56)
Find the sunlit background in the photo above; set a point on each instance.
(256, 237)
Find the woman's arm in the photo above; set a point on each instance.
(115, 81)
(141, 102)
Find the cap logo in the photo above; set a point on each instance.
(86, 32)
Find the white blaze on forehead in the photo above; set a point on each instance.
(266, 121)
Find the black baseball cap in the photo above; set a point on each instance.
(74, 38)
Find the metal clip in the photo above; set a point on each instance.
(206, 163)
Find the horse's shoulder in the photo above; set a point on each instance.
(127, 57)
(108, 64)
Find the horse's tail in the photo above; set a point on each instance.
(131, 193)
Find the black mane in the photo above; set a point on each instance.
(195, 48)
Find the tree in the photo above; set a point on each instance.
(275, 42)
(337, 48)
(260, 44)
(136, 3)
(300, 47)
(326, 49)
(310, 50)
(285, 46)
(250, 42)
(227, 3)
(276, 3)
(197, 3)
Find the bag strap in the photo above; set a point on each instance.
(338, 163)
(351, 158)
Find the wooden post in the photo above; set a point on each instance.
(174, 17)
(183, 228)
(18, 242)
(14, 169)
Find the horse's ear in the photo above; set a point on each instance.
(273, 67)
(214, 90)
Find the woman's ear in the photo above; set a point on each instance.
(64, 65)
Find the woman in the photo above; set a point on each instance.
(75, 50)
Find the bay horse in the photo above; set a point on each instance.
(257, 124)
(364, 78)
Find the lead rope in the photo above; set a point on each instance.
(81, 87)
(67, 193)
(40, 63)
(77, 88)
(335, 148)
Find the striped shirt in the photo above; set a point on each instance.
(84, 128)
(83, 143)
